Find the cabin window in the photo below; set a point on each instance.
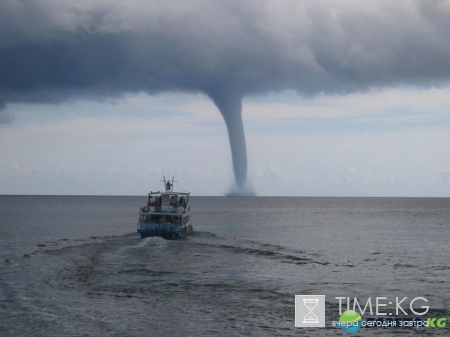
(155, 218)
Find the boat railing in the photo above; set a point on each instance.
(153, 207)
(162, 209)
(168, 208)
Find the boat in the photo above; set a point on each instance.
(167, 214)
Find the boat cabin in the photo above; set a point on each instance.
(167, 201)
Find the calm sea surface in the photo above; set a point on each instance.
(75, 266)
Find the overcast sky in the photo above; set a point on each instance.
(340, 98)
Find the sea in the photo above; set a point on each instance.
(75, 266)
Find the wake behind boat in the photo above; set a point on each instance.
(167, 214)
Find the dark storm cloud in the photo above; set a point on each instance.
(53, 50)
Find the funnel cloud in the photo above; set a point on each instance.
(230, 106)
(55, 51)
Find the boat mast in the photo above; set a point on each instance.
(167, 184)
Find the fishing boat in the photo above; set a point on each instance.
(167, 214)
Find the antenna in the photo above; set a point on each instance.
(165, 184)
(173, 177)
(168, 186)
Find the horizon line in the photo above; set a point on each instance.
(223, 196)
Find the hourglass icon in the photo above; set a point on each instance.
(310, 304)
